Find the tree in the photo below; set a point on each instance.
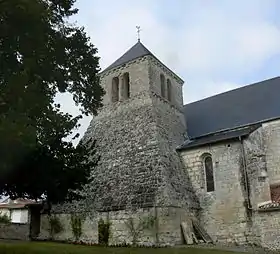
(41, 54)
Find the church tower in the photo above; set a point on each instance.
(137, 131)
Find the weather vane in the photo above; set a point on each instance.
(138, 32)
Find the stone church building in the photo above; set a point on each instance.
(214, 163)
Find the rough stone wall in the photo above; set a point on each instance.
(272, 149)
(165, 231)
(267, 228)
(223, 213)
(14, 231)
(170, 123)
(155, 69)
(89, 229)
(138, 75)
(262, 156)
(256, 164)
(136, 139)
(130, 169)
(139, 166)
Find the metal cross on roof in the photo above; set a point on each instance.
(138, 32)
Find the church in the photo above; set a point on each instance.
(207, 171)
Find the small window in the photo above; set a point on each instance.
(115, 89)
(126, 86)
(162, 85)
(209, 174)
(169, 89)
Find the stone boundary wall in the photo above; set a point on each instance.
(166, 230)
(14, 231)
(269, 226)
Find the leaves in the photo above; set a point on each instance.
(42, 54)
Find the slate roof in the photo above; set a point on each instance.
(250, 104)
(18, 203)
(218, 137)
(138, 50)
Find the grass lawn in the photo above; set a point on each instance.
(55, 248)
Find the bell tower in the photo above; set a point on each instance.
(136, 132)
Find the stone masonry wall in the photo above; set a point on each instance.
(138, 76)
(130, 170)
(139, 166)
(155, 70)
(14, 231)
(89, 229)
(272, 149)
(256, 164)
(171, 127)
(166, 229)
(267, 227)
(136, 140)
(262, 154)
(223, 213)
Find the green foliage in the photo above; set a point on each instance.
(43, 54)
(103, 232)
(55, 226)
(4, 218)
(137, 227)
(76, 225)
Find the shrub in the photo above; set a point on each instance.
(55, 226)
(103, 232)
(135, 229)
(76, 225)
(4, 218)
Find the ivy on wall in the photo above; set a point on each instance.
(76, 225)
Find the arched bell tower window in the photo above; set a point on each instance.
(169, 89)
(162, 85)
(209, 174)
(126, 85)
(115, 89)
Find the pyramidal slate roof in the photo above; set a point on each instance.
(244, 106)
(136, 51)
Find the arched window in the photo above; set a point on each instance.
(162, 85)
(115, 89)
(209, 174)
(126, 85)
(169, 89)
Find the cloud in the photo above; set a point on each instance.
(214, 38)
(213, 45)
(233, 48)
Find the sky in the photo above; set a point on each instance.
(213, 45)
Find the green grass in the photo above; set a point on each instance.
(56, 248)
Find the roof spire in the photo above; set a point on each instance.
(138, 32)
